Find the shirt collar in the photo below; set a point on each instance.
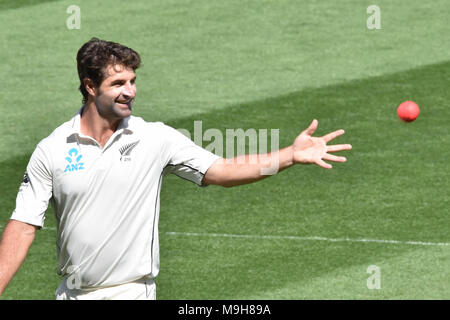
(123, 127)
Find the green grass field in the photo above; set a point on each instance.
(305, 233)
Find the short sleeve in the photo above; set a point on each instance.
(35, 190)
(184, 158)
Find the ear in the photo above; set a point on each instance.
(90, 86)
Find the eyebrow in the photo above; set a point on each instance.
(121, 81)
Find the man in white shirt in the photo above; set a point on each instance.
(102, 171)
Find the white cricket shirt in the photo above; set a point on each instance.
(106, 201)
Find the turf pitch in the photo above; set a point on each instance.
(262, 64)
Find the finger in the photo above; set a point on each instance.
(312, 128)
(323, 164)
(339, 147)
(331, 157)
(333, 135)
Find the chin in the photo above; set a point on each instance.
(122, 112)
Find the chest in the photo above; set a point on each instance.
(81, 169)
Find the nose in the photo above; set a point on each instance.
(129, 91)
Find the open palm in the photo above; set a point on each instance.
(309, 149)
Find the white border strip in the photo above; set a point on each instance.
(269, 237)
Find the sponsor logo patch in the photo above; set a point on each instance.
(74, 161)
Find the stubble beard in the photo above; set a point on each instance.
(115, 110)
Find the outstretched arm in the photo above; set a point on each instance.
(306, 149)
(16, 240)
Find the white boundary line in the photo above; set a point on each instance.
(269, 237)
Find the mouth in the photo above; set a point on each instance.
(127, 103)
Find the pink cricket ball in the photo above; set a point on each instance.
(408, 111)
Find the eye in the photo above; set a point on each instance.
(117, 83)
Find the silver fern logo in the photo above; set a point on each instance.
(125, 151)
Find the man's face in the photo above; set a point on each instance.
(115, 96)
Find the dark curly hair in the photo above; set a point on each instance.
(96, 55)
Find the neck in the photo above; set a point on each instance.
(95, 126)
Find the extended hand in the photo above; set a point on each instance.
(308, 149)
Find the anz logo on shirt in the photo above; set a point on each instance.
(73, 161)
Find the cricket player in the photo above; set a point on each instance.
(102, 172)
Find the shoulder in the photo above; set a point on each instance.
(57, 137)
(158, 128)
